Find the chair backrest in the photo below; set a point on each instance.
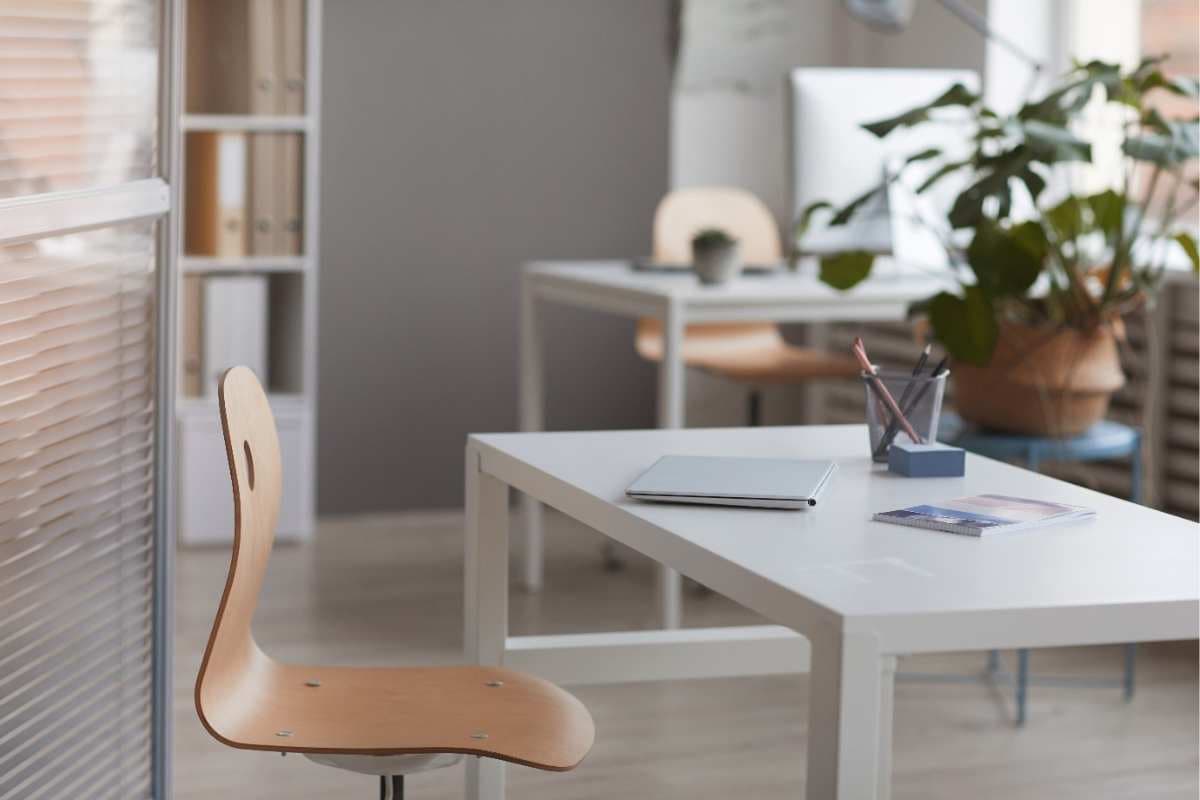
(684, 212)
(232, 660)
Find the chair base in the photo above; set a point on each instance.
(391, 787)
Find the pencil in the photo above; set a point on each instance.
(860, 352)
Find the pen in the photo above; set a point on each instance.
(938, 370)
(893, 426)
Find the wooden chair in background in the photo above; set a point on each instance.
(379, 721)
(754, 354)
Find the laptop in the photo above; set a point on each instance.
(734, 481)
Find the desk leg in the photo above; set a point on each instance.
(532, 411)
(850, 724)
(485, 606)
(671, 388)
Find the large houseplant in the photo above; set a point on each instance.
(1044, 276)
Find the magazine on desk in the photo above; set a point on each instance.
(985, 514)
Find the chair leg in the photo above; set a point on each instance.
(1022, 685)
(754, 408)
(1130, 660)
(391, 787)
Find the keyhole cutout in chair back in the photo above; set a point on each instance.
(249, 465)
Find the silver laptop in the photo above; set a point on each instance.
(733, 481)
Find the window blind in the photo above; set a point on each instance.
(80, 535)
(76, 514)
(78, 83)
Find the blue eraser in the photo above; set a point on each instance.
(934, 460)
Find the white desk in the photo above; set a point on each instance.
(678, 300)
(858, 592)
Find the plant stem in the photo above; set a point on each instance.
(1117, 266)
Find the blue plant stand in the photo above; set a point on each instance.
(1103, 441)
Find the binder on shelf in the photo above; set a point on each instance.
(262, 40)
(235, 326)
(191, 308)
(290, 231)
(290, 17)
(215, 205)
(265, 205)
(217, 57)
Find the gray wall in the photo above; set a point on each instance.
(461, 137)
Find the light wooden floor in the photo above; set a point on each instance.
(388, 591)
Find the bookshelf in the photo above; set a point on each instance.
(248, 258)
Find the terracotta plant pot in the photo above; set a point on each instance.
(1041, 381)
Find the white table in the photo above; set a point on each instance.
(856, 592)
(678, 300)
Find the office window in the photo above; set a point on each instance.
(1168, 27)
(78, 84)
(80, 211)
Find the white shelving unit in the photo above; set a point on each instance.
(205, 512)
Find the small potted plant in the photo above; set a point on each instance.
(716, 257)
(1044, 274)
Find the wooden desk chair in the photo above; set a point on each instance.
(751, 353)
(379, 721)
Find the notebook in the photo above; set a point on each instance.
(733, 481)
(985, 514)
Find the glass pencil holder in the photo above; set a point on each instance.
(920, 400)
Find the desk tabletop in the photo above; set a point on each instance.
(848, 566)
(764, 287)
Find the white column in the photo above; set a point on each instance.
(485, 607)
(532, 404)
(846, 730)
(670, 415)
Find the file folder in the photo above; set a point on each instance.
(265, 198)
(262, 40)
(290, 18)
(235, 326)
(215, 206)
(290, 181)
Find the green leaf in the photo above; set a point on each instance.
(1032, 236)
(1053, 143)
(1005, 262)
(806, 216)
(1182, 85)
(845, 270)
(966, 326)
(956, 95)
(1108, 212)
(941, 172)
(924, 155)
(1188, 243)
(1066, 219)
(843, 216)
(967, 210)
(1034, 182)
(1181, 143)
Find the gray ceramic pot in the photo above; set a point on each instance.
(717, 265)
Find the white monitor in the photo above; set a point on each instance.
(834, 159)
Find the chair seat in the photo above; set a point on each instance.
(480, 711)
(752, 352)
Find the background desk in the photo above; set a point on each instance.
(678, 300)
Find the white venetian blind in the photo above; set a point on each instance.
(80, 202)
(76, 514)
(78, 82)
